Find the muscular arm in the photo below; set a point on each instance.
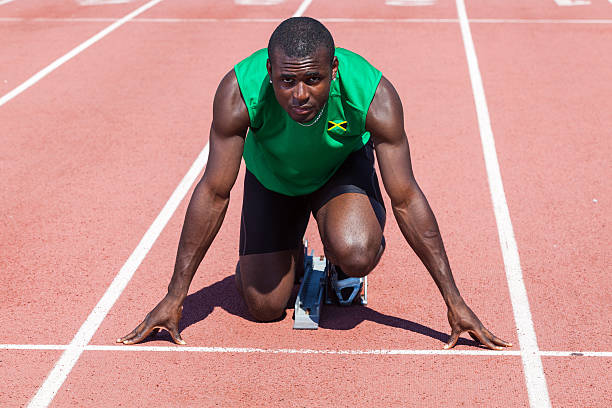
(385, 121)
(206, 208)
(210, 198)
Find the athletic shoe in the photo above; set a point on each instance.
(346, 288)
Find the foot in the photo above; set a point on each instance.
(345, 287)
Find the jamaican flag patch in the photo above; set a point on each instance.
(338, 127)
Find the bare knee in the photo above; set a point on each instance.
(264, 308)
(356, 257)
(265, 282)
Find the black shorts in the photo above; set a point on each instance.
(274, 222)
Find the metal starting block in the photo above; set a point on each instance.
(310, 296)
(320, 283)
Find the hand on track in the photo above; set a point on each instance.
(166, 315)
(462, 319)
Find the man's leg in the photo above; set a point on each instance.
(351, 215)
(265, 282)
(271, 252)
(351, 234)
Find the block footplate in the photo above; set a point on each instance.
(318, 285)
(310, 296)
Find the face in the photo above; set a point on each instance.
(301, 85)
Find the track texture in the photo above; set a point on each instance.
(92, 152)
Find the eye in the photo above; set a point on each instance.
(287, 81)
(314, 80)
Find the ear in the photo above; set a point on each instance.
(334, 67)
(269, 68)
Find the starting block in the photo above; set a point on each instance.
(320, 282)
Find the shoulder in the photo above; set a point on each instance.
(253, 64)
(230, 115)
(254, 82)
(350, 56)
(354, 66)
(385, 118)
(358, 79)
(251, 71)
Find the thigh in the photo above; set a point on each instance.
(270, 222)
(356, 175)
(350, 213)
(271, 232)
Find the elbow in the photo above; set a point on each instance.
(212, 190)
(431, 234)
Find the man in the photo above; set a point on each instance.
(314, 115)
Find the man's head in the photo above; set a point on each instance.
(301, 66)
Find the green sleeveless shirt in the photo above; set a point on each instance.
(292, 159)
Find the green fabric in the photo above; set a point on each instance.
(292, 159)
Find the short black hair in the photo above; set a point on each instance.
(301, 37)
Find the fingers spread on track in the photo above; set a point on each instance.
(453, 340)
(482, 338)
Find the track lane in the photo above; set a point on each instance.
(548, 100)
(21, 372)
(579, 381)
(529, 9)
(112, 134)
(438, 9)
(33, 46)
(294, 381)
(32, 9)
(226, 9)
(549, 106)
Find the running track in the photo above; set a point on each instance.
(100, 148)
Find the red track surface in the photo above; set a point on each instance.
(91, 153)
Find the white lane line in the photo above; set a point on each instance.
(541, 21)
(532, 364)
(33, 346)
(300, 11)
(201, 349)
(74, 52)
(569, 3)
(410, 3)
(388, 20)
(258, 2)
(101, 2)
(64, 365)
(152, 20)
(576, 353)
(324, 19)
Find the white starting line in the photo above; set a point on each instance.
(248, 350)
(162, 20)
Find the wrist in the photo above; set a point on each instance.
(453, 301)
(176, 296)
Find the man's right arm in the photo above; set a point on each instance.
(211, 196)
(206, 208)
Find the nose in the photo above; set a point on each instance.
(300, 94)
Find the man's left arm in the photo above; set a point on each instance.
(385, 122)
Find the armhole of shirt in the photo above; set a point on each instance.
(238, 73)
(371, 97)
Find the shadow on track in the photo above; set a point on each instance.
(341, 318)
(223, 294)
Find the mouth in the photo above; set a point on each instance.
(302, 110)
